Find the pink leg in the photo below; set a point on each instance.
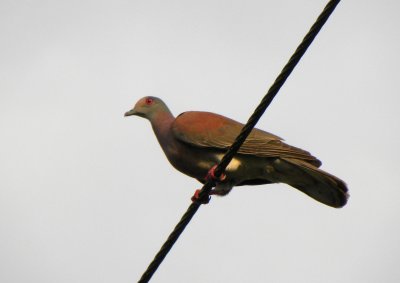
(211, 175)
(196, 198)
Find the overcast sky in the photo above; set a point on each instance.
(87, 195)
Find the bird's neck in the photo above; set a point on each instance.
(161, 124)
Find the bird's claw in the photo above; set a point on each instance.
(196, 198)
(211, 175)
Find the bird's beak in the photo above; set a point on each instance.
(130, 113)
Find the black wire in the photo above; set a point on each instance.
(233, 149)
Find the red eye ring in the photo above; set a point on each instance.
(149, 101)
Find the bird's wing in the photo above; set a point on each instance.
(209, 130)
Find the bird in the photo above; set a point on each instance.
(196, 141)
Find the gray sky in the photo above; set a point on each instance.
(88, 196)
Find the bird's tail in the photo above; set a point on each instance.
(312, 181)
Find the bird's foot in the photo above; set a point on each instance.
(196, 198)
(211, 175)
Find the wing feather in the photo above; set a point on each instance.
(209, 130)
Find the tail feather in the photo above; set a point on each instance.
(312, 181)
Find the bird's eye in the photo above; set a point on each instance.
(149, 101)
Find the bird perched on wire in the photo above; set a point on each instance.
(196, 141)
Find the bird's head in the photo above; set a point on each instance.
(148, 107)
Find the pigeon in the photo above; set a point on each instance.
(195, 141)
